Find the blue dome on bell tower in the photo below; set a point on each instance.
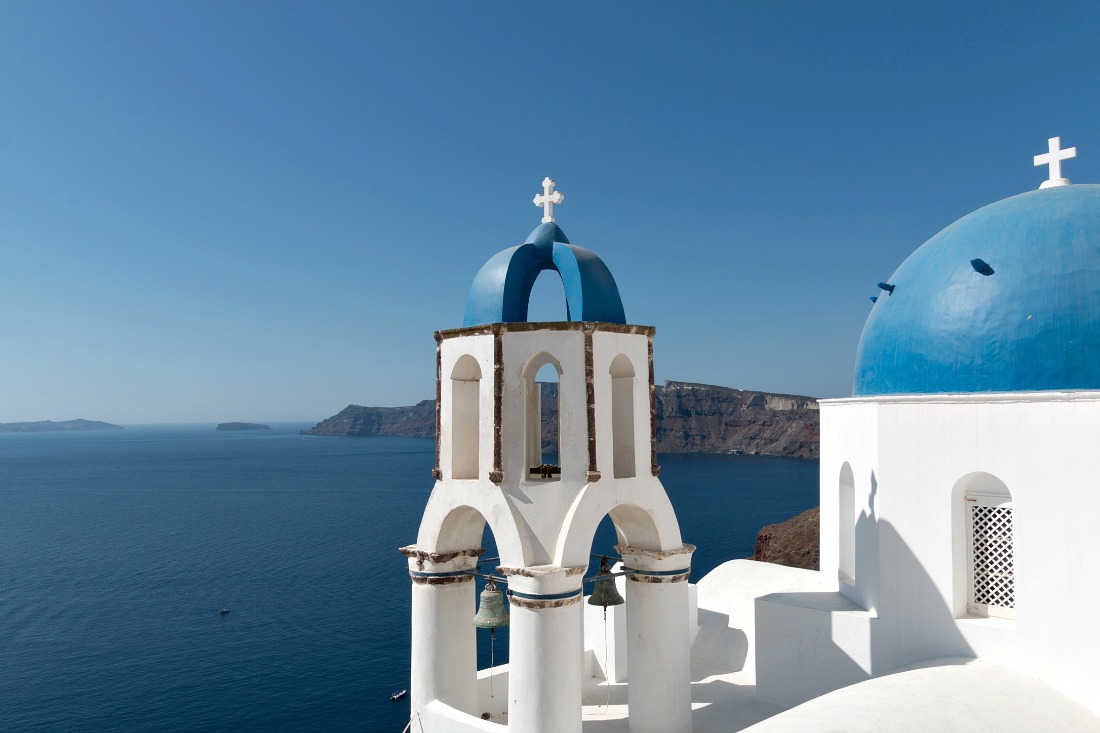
(501, 290)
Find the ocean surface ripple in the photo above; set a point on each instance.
(118, 550)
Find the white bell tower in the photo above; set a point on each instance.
(493, 467)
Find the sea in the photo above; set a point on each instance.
(119, 550)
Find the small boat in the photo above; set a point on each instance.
(224, 611)
(398, 695)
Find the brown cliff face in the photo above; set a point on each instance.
(701, 418)
(691, 418)
(795, 542)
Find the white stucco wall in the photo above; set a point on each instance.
(909, 457)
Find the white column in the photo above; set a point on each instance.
(545, 652)
(444, 650)
(658, 640)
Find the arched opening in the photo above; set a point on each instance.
(542, 379)
(984, 547)
(605, 633)
(846, 520)
(465, 527)
(465, 418)
(643, 629)
(622, 416)
(547, 300)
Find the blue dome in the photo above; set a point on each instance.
(502, 289)
(1005, 299)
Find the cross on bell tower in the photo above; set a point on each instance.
(547, 199)
(1053, 158)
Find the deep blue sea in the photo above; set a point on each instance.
(118, 549)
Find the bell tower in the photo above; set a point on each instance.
(543, 493)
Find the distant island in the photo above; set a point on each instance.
(49, 426)
(242, 426)
(691, 418)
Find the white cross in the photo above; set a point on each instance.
(546, 199)
(1054, 157)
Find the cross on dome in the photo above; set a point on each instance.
(547, 199)
(1053, 158)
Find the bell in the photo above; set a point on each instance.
(604, 592)
(492, 614)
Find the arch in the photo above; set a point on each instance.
(646, 521)
(846, 525)
(502, 288)
(452, 525)
(622, 417)
(466, 418)
(533, 414)
(983, 550)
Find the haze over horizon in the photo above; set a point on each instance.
(228, 211)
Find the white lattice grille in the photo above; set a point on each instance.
(991, 548)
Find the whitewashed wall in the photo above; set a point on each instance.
(909, 456)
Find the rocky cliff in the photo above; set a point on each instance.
(691, 418)
(795, 542)
(417, 421)
(701, 418)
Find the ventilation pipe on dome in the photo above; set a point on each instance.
(982, 267)
(886, 286)
(874, 298)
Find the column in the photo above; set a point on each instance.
(444, 651)
(545, 653)
(658, 639)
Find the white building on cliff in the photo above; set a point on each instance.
(958, 500)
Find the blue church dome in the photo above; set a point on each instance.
(1005, 299)
(502, 289)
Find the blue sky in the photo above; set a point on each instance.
(262, 211)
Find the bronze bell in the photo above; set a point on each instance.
(492, 614)
(604, 592)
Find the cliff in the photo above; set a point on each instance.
(701, 418)
(691, 418)
(49, 426)
(417, 421)
(795, 542)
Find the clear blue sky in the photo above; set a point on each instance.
(262, 211)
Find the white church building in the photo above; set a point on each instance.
(959, 500)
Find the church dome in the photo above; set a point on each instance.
(502, 288)
(1005, 299)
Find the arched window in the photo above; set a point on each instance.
(991, 578)
(846, 519)
(622, 416)
(542, 377)
(465, 418)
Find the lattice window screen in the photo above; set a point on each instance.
(991, 565)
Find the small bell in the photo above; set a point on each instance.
(604, 592)
(492, 614)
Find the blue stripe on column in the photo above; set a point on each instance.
(541, 597)
(658, 572)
